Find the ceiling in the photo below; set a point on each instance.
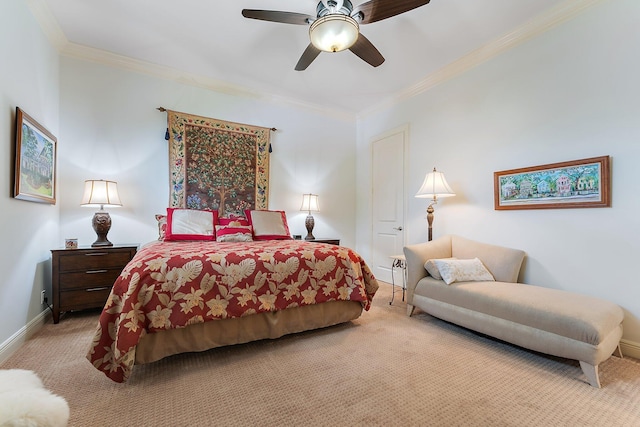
(212, 41)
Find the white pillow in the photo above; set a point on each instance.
(432, 268)
(268, 225)
(463, 270)
(190, 224)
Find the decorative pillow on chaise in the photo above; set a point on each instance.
(234, 233)
(190, 224)
(432, 268)
(268, 225)
(463, 270)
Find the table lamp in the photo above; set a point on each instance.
(309, 204)
(99, 192)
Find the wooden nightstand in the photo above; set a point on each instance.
(328, 240)
(82, 278)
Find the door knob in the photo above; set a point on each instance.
(398, 228)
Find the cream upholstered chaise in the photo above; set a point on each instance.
(550, 321)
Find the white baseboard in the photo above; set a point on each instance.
(10, 346)
(630, 348)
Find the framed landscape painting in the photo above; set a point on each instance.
(581, 183)
(35, 161)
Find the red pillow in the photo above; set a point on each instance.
(234, 220)
(268, 225)
(191, 224)
(233, 233)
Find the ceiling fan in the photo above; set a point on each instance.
(336, 26)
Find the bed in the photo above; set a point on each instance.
(182, 296)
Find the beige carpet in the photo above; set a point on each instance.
(382, 369)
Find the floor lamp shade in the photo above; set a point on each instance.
(434, 186)
(101, 193)
(310, 204)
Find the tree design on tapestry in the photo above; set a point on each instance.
(222, 168)
(217, 165)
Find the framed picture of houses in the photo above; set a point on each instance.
(35, 161)
(581, 183)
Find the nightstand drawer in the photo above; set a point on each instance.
(84, 298)
(94, 260)
(88, 279)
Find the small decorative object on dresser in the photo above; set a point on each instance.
(82, 278)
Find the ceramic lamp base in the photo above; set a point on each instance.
(309, 223)
(101, 224)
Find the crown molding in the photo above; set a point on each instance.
(551, 18)
(77, 51)
(48, 23)
(564, 11)
(54, 33)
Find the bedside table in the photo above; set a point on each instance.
(328, 240)
(82, 278)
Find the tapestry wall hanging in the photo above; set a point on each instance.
(217, 165)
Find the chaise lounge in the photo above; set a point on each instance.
(483, 295)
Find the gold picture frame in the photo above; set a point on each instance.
(583, 183)
(35, 161)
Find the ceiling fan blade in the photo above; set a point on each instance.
(308, 56)
(367, 51)
(277, 16)
(377, 10)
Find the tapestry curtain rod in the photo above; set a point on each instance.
(162, 110)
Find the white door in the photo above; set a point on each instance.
(388, 202)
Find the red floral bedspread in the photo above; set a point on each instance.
(175, 284)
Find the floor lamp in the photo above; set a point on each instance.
(433, 187)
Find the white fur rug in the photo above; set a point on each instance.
(24, 402)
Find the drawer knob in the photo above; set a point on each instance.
(95, 271)
(97, 253)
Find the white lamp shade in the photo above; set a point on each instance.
(334, 32)
(100, 193)
(310, 203)
(435, 186)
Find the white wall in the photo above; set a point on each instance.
(568, 94)
(29, 80)
(112, 130)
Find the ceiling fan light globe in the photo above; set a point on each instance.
(334, 32)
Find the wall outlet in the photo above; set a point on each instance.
(42, 297)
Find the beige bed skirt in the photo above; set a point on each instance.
(204, 336)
